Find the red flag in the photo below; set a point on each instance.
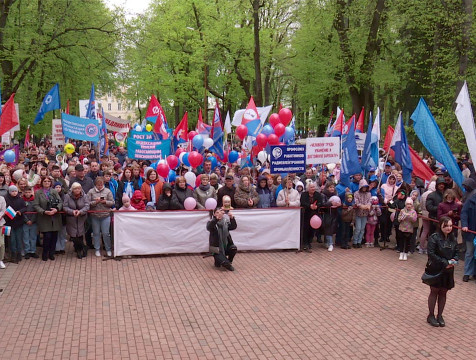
(359, 127)
(67, 107)
(181, 131)
(347, 125)
(156, 114)
(9, 117)
(251, 119)
(26, 144)
(202, 128)
(339, 124)
(420, 169)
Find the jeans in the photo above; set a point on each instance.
(29, 238)
(61, 242)
(329, 240)
(16, 239)
(469, 262)
(101, 225)
(360, 222)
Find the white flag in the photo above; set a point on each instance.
(227, 126)
(464, 113)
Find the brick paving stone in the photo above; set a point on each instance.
(360, 303)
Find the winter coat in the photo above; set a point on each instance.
(47, 223)
(374, 213)
(423, 198)
(445, 207)
(137, 201)
(18, 204)
(4, 190)
(397, 204)
(330, 220)
(348, 212)
(291, 194)
(440, 250)
(470, 186)
(201, 196)
(121, 188)
(87, 183)
(406, 219)
(266, 199)
(94, 195)
(75, 224)
(3, 207)
(468, 217)
(29, 208)
(362, 198)
(146, 188)
(225, 190)
(182, 194)
(112, 185)
(306, 200)
(243, 194)
(168, 202)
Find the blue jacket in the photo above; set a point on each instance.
(468, 217)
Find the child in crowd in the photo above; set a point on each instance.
(406, 217)
(16, 237)
(372, 221)
(137, 200)
(30, 228)
(126, 204)
(362, 202)
(347, 220)
(330, 220)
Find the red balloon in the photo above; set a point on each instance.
(241, 131)
(198, 180)
(225, 157)
(163, 170)
(272, 140)
(285, 115)
(191, 135)
(262, 140)
(279, 130)
(172, 160)
(179, 151)
(194, 158)
(274, 119)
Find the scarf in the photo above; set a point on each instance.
(222, 226)
(152, 192)
(128, 189)
(204, 187)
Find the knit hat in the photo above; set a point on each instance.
(57, 183)
(12, 188)
(17, 174)
(409, 201)
(75, 185)
(125, 197)
(150, 205)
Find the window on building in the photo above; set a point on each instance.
(129, 107)
(109, 107)
(109, 93)
(119, 107)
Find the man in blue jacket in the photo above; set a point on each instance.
(468, 222)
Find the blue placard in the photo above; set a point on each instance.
(75, 127)
(142, 145)
(288, 159)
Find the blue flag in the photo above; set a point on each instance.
(366, 153)
(91, 112)
(432, 139)
(217, 134)
(50, 102)
(104, 149)
(399, 145)
(350, 157)
(78, 128)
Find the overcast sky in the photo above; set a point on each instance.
(132, 6)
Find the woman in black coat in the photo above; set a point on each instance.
(221, 244)
(168, 200)
(127, 185)
(439, 271)
(182, 191)
(311, 200)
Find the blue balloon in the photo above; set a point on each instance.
(214, 161)
(288, 133)
(185, 159)
(267, 130)
(9, 156)
(154, 165)
(233, 156)
(172, 175)
(197, 141)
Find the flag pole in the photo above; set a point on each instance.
(388, 152)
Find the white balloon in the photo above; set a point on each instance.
(163, 161)
(138, 128)
(208, 143)
(331, 167)
(238, 162)
(190, 177)
(181, 156)
(262, 156)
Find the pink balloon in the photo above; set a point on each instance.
(194, 158)
(191, 135)
(262, 140)
(189, 203)
(316, 222)
(273, 139)
(274, 119)
(172, 160)
(285, 115)
(279, 130)
(241, 131)
(163, 170)
(210, 204)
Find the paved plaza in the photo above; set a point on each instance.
(348, 304)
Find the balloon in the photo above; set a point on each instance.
(192, 134)
(195, 159)
(197, 141)
(185, 159)
(233, 156)
(274, 120)
(163, 170)
(262, 140)
(148, 127)
(172, 161)
(262, 156)
(210, 204)
(335, 200)
(267, 129)
(288, 133)
(316, 222)
(172, 175)
(9, 156)
(138, 128)
(241, 131)
(190, 177)
(279, 130)
(208, 143)
(189, 203)
(273, 139)
(154, 165)
(285, 115)
(68, 148)
(225, 157)
(198, 180)
(214, 161)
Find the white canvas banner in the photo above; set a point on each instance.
(115, 124)
(464, 114)
(148, 233)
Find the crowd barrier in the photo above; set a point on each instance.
(174, 232)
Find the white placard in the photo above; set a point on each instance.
(360, 140)
(83, 107)
(322, 150)
(167, 232)
(57, 133)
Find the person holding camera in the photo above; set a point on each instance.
(221, 244)
(439, 270)
(48, 204)
(101, 201)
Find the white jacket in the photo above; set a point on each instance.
(292, 195)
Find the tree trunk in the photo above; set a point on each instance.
(256, 55)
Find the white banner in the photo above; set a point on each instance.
(148, 233)
(360, 140)
(115, 124)
(464, 114)
(57, 133)
(322, 150)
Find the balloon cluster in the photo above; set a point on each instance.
(198, 141)
(277, 132)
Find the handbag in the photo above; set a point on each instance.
(431, 279)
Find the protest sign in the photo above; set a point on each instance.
(360, 140)
(115, 124)
(57, 133)
(288, 159)
(78, 128)
(144, 145)
(322, 150)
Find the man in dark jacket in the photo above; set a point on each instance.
(311, 200)
(228, 189)
(468, 222)
(433, 200)
(85, 181)
(168, 200)
(221, 244)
